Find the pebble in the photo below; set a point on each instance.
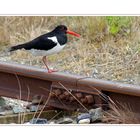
(84, 121)
(15, 102)
(95, 73)
(65, 121)
(2, 101)
(18, 109)
(52, 122)
(96, 114)
(6, 110)
(38, 121)
(83, 118)
(36, 100)
(34, 108)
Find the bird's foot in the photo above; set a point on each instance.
(50, 71)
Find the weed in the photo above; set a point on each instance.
(117, 24)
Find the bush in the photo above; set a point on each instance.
(117, 24)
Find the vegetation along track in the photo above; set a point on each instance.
(64, 91)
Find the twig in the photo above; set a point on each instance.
(19, 85)
(45, 102)
(27, 101)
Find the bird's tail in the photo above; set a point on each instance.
(14, 48)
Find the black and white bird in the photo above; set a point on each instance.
(47, 44)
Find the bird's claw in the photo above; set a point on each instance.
(50, 71)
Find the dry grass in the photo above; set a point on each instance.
(120, 113)
(97, 53)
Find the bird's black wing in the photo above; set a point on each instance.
(44, 43)
(40, 43)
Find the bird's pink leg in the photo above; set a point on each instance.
(44, 59)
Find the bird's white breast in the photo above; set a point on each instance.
(54, 50)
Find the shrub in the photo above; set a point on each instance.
(117, 24)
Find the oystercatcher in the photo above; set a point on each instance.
(47, 44)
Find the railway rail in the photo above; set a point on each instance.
(64, 91)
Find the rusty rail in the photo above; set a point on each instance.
(63, 90)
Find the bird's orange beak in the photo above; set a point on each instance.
(72, 33)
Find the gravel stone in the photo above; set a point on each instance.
(65, 121)
(96, 114)
(38, 121)
(85, 117)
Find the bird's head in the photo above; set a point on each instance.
(64, 29)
